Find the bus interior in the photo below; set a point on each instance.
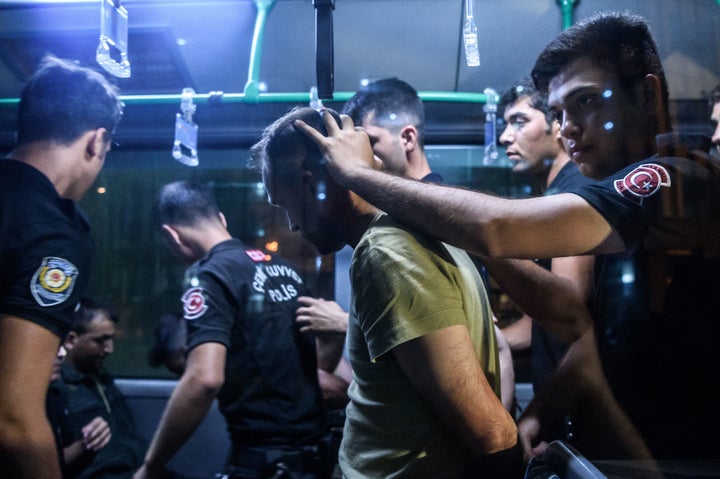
(231, 67)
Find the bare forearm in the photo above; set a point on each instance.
(579, 384)
(443, 368)
(329, 350)
(555, 302)
(73, 452)
(186, 409)
(519, 334)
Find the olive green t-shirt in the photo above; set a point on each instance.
(404, 286)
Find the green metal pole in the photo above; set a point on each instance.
(567, 7)
(430, 96)
(252, 87)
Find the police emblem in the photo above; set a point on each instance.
(643, 181)
(53, 281)
(257, 256)
(194, 303)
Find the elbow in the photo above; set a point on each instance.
(502, 437)
(206, 384)
(494, 240)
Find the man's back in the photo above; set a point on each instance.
(271, 394)
(406, 286)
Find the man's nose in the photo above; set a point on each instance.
(507, 136)
(716, 136)
(568, 127)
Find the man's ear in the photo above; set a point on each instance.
(70, 340)
(409, 137)
(222, 219)
(172, 234)
(96, 142)
(309, 181)
(652, 93)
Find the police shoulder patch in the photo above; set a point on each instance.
(643, 181)
(258, 256)
(53, 281)
(194, 304)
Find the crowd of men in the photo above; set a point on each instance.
(625, 308)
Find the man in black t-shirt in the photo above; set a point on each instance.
(243, 347)
(534, 147)
(66, 118)
(607, 87)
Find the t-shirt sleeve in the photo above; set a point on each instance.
(626, 207)
(206, 309)
(402, 291)
(45, 272)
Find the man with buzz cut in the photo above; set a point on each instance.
(425, 394)
(243, 348)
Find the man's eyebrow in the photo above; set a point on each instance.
(515, 116)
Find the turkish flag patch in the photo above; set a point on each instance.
(257, 256)
(643, 181)
(194, 304)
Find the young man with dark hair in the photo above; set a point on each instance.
(425, 395)
(652, 221)
(66, 118)
(534, 147)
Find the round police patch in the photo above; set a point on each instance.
(194, 303)
(643, 181)
(53, 281)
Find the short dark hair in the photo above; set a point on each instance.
(394, 102)
(282, 140)
(620, 42)
(184, 203)
(526, 88)
(87, 311)
(62, 100)
(715, 95)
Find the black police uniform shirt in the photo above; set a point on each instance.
(657, 307)
(246, 299)
(45, 249)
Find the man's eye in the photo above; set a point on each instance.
(585, 100)
(519, 124)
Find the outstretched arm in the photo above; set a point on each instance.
(546, 227)
(188, 405)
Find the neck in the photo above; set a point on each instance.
(560, 160)
(201, 240)
(51, 160)
(359, 220)
(418, 167)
